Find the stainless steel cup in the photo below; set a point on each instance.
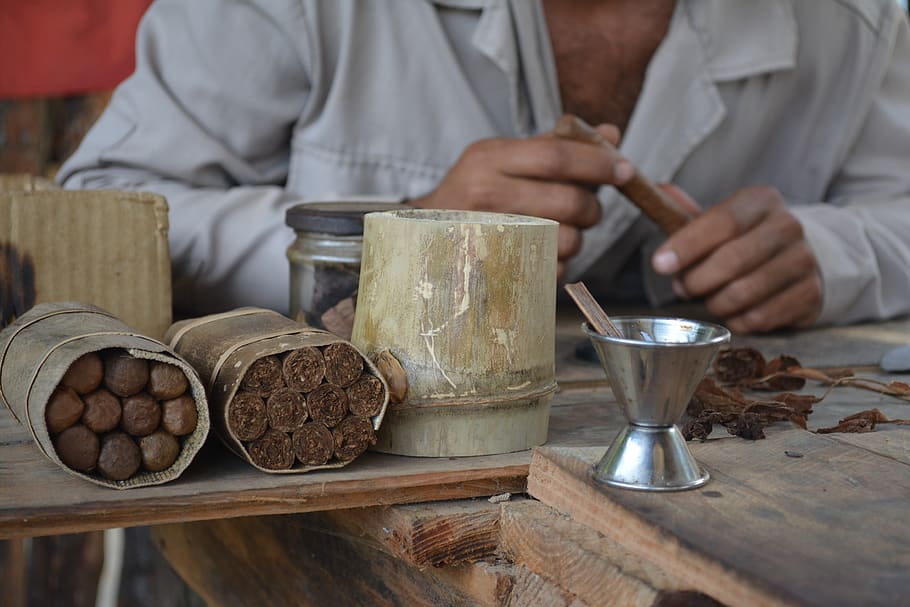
(653, 370)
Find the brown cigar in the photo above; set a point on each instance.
(653, 202)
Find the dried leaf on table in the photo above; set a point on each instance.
(712, 404)
(864, 421)
(777, 374)
(735, 364)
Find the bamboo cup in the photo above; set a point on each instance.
(466, 302)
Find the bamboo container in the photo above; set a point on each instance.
(40, 346)
(466, 301)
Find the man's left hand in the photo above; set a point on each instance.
(748, 258)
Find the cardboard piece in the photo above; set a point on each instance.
(106, 248)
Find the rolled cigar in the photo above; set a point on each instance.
(303, 369)
(78, 448)
(653, 202)
(119, 458)
(327, 404)
(159, 450)
(272, 451)
(124, 375)
(343, 364)
(64, 408)
(286, 410)
(85, 374)
(313, 444)
(166, 381)
(247, 417)
(365, 396)
(352, 437)
(103, 411)
(141, 414)
(263, 377)
(179, 416)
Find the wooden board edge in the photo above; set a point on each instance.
(562, 482)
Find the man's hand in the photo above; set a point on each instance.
(750, 261)
(542, 176)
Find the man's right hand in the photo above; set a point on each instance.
(541, 176)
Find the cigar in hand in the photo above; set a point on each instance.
(656, 204)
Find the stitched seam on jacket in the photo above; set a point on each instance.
(366, 158)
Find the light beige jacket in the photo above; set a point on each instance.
(239, 109)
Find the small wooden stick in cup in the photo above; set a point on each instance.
(592, 310)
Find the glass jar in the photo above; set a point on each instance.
(325, 261)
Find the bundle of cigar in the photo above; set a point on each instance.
(113, 414)
(313, 404)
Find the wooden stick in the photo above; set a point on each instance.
(653, 202)
(591, 309)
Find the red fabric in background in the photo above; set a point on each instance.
(65, 47)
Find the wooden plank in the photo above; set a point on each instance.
(274, 561)
(487, 584)
(574, 556)
(823, 529)
(422, 535)
(531, 588)
(65, 569)
(40, 499)
(13, 574)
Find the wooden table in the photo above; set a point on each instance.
(827, 524)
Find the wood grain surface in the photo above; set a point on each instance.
(825, 528)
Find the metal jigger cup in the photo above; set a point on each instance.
(653, 370)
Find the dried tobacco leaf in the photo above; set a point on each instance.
(777, 374)
(697, 428)
(713, 404)
(749, 426)
(864, 421)
(736, 364)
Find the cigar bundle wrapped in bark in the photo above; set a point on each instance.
(107, 404)
(285, 397)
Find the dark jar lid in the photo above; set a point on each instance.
(340, 218)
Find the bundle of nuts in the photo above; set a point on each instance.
(313, 404)
(114, 414)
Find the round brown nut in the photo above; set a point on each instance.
(119, 458)
(166, 381)
(77, 447)
(159, 450)
(124, 375)
(63, 409)
(85, 374)
(178, 415)
(141, 414)
(102, 411)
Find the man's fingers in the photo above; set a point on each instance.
(610, 132)
(798, 303)
(568, 242)
(557, 160)
(714, 227)
(788, 267)
(743, 255)
(562, 202)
